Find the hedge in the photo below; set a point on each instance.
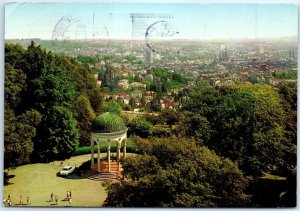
(83, 150)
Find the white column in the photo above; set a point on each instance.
(118, 154)
(118, 151)
(124, 150)
(92, 154)
(108, 156)
(98, 157)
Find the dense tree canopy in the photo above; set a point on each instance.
(246, 123)
(169, 116)
(111, 106)
(213, 152)
(195, 126)
(84, 115)
(19, 132)
(59, 136)
(41, 90)
(140, 127)
(176, 173)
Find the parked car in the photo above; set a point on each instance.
(67, 170)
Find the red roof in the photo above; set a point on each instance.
(104, 95)
(205, 78)
(121, 72)
(168, 103)
(122, 94)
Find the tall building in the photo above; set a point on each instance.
(293, 54)
(223, 54)
(148, 57)
(261, 49)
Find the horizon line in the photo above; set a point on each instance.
(166, 40)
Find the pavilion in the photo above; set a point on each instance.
(108, 128)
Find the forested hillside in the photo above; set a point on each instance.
(228, 146)
(50, 102)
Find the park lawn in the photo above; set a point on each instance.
(38, 181)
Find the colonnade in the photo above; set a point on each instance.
(98, 143)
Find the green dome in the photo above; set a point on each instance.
(107, 123)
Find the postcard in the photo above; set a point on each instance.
(177, 105)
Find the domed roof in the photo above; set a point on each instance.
(107, 123)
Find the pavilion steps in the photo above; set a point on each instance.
(114, 166)
(98, 176)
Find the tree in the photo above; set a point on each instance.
(246, 124)
(84, 81)
(85, 115)
(140, 127)
(155, 105)
(14, 55)
(14, 84)
(195, 126)
(153, 119)
(169, 116)
(19, 132)
(53, 87)
(38, 80)
(57, 135)
(289, 105)
(175, 172)
(111, 106)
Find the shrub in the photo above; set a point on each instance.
(130, 148)
(161, 132)
(140, 127)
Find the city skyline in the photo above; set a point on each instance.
(189, 21)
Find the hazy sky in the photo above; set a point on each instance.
(200, 21)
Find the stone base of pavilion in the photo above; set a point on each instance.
(114, 173)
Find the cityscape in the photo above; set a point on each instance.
(129, 107)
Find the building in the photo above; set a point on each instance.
(123, 84)
(138, 85)
(148, 57)
(107, 128)
(223, 54)
(137, 94)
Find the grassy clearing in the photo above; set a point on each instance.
(38, 181)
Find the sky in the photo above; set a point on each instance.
(112, 20)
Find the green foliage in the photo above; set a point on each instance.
(159, 72)
(87, 59)
(14, 84)
(40, 89)
(169, 116)
(85, 115)
(176, 173)
(84, 81)
(18, 134)
(286, 75)
(155, 105)
(153, 119)
(246, 123)
(111, 106)
(60, 136)
(53, 87)
(130, 148)
(161, 131)
(14, 55)
(170, 80)
(195, 126)
(140, 127)
(289, 105)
